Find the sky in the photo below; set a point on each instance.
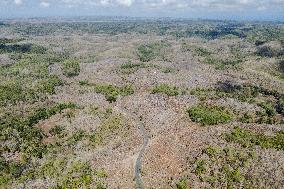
(204, 9)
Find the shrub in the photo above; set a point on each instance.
(75, 174)
(48, 85)
(266, 51)
(167, 70)
(112, 92)
(7, 40)
(281, 66)
(248, 117)
(210, 114)
(96, 139)
(130, 65)
(129, 68)
(259, 42)
(247, 139)
(27, 80)
(186, 47)
(100, 186)
(44, 113)
(83, 82)
(148, 52)
(229, 168)
(9, 46)
(57, 130)
(71, 68)
(269, 109)
(8, 171)
(222, 64)
(181, 184)
(38, 49)
(213, 61)
(166, 89)
(76, 137)
(280, 106)
(11, 92)
(202, 51)
(109, 126)
(101, 173)
(28, 139)
(200, 167)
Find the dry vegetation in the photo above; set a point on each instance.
(81, 101)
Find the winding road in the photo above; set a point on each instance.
(139, 184)
(140, 126)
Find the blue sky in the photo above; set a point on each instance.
(212, 9)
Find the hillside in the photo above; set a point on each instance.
(141, 104)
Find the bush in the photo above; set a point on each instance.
(186, 47)
(57, 130)
(7, 40)
(280, 106)
(222, 64)
(21, 48)
(181, 184)
(96, 139)
(100, 186)
(202, 52)
(44, 113)
(148, 52)
(101, 173)
(281, 66)
(8, 171)
(112, 92)
(269, 109)
(213, 61)
(71, 68)
(166, 89)
(28, 139)
(130, 65)
(110, 125)
(129, 68)
(84, 82)
(67, 175)
(76, 137)
(11, 92)
(28, 80)
(210, 114)
(227, 168)
(48, 85)
(247, 139)
(38, 49)
(266, 51)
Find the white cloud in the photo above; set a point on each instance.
(188, 8)
(44, 4)
(72, 3)
(206, 5)
(105, 2)
(18, 2)
(127, 3)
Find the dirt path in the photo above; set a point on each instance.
(139, 184)
(140, 126)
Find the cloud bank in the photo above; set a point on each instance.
(197, 4)
(150, 7)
